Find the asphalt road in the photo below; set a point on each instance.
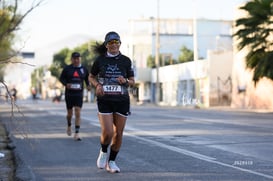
(160, 144)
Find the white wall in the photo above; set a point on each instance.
(18, 75)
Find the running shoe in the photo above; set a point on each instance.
(112, 167)
(102, 159)
(69, 131)
(77, 137)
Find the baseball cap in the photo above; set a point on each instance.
(75, 54)
(111, 36)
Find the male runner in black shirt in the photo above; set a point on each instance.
(72, 77)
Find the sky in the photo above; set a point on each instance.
(58, 19)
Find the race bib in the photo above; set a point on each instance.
(75, 86)
(112, 89)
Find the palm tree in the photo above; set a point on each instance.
(255, 33)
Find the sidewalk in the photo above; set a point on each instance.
(7, 165)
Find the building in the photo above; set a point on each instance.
(206, 81)
(245, 94)
(18, 73)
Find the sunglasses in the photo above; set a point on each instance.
(113, 42)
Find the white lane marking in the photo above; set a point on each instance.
(173, 148)
(198, 156)
(95, 122)
(202, 120)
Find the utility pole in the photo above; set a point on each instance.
(195, 52)
(157, 53)
(195, 44)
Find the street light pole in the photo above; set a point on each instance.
(195, 52)
(157, 46)
(195, 44)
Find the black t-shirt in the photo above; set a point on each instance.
(74, 76)
(107, 69)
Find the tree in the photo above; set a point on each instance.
(36, 78)
(151, 61)
(10, 21)
(254, 33)
(87, 55)
(186, 55)
(63, 58)
(60, 60)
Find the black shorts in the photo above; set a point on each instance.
(73, 101)
(109, 107)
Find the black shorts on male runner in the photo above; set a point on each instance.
(73, 101)
(109, 107)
